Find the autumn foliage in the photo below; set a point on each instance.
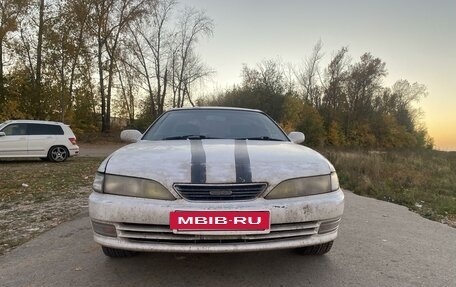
(344, 105)
(90, 63)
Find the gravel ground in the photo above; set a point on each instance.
(31, 204)
(22, 221)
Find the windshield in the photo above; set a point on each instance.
(214, 124)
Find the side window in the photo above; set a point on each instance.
(43, 129)
(15, 130)
(55, 130)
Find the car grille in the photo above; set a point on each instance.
(163, 233)
(219, 192)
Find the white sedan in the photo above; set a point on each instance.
(215, 180)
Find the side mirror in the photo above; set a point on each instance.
(296, 137)
(131, 136)
(2, 134)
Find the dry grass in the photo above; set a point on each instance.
(424, 181)
(35, 180)
(36, 196)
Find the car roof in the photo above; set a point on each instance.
(216, 108)
(33, 122)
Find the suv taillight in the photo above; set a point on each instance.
(73, 140)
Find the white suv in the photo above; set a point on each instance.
(52, 141)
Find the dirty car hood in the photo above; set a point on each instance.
(215, 161)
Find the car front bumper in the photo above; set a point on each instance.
(143, 224)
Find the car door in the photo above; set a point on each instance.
(41, 138)
(14, 142)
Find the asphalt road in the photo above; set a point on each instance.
(380, 244)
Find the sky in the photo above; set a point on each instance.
(416, 39)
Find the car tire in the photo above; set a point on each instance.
(58, 154)
(319, 249)
(115, 253)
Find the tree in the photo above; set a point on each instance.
(10, 13)
(308, 75)
(39, 54)
(111, 18)
(128, 81)
(356, 109)
(160, 48)
(30, 55)
(185, 65)
(66, 41)
(365, 81)
(335, 136)
(404, 95)
(152, 48)
(334, 101)
(264, 87)
(363, 86)
(299, 115)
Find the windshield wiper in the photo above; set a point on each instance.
(188, 137)
(200, 137)
(263, 138)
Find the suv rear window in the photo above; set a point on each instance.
(43, 129)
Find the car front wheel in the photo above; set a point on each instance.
(58, 154)
(319, 249)
(113, 252)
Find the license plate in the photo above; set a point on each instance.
(220, 220)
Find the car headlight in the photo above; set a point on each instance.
(98, 182)
(334, 181)
(132, 186)
(305, 186)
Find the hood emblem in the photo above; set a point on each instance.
(220, 192)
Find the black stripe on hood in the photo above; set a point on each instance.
(242, 161)
(198, 171)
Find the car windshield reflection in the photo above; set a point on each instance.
(215, 124)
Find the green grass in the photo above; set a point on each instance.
(424, 181)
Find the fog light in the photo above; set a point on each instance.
(329, 225)
(104, 229)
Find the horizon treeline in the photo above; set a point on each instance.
(344, 104)
(87, 62)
